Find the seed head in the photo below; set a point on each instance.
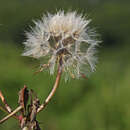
(65, 35)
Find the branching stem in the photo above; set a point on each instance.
(11, 114)
(5, 103)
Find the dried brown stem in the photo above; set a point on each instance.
(53, 89)
(3, 109)
(11, 114)
(4, 102)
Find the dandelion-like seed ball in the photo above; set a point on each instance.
(67, 36)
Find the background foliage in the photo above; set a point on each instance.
(99, 103)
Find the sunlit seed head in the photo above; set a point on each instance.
(67, 35)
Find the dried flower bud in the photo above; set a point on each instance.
(66, 35)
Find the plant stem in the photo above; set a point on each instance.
(4, 102)
(57, 81)
(3, 109)
(11, 114)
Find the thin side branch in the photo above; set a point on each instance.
(3, 109)
(4, 102)
(7, 108)
(11, 114)
(53, 89)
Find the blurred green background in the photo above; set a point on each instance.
(100, 103)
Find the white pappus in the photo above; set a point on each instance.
(67, 34)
